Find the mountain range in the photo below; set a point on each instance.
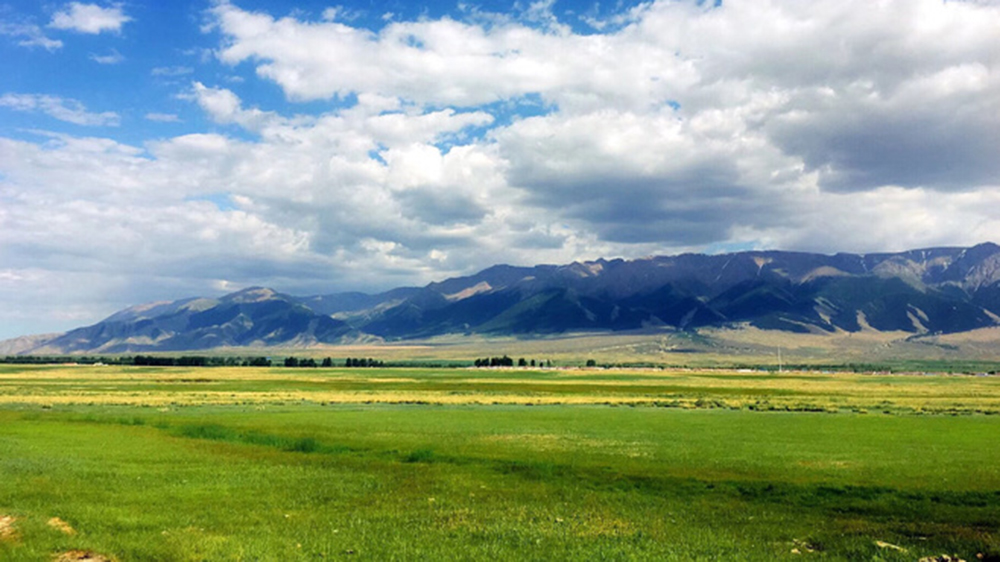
(936, 290)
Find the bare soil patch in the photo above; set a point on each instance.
(7, 530)
(81, 556)
(60, 525)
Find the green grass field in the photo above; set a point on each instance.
(407, 464)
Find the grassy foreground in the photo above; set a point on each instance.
(243, 464)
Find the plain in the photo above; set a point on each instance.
(382, 464)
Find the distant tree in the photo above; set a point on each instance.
(191, 361)
(145, 360)
(327, 362)
(522, 362)
(291, 362)
(591, 363)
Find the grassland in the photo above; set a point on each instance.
(519, 464)
(815, 390)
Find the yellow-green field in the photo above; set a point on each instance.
(174, 463)
(811, 390)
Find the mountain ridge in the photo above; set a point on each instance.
(923, 291)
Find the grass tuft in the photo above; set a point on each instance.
(420, 455)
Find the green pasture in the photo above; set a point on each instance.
(686, 466)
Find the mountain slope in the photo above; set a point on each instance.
(252, 317)
(937, 290)
(920, 291)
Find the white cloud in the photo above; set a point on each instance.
(171, 71)
(63, 109)
(431, 61)
(225, 107)
(89, 18)
(884, 219)
(32, 36)
(113, 57)
(685, 124)
(341, 13)
(163, 117)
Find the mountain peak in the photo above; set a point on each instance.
(251, 294)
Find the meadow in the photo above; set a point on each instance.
(146, 463)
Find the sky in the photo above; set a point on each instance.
(157, 150)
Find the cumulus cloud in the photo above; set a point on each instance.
(685, 124)
(63, 109)
(90, 18)
(430, 61)
(901, 137)
(223, 106)
(888, 67)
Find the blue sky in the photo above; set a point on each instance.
(157, 150)
(137, 68)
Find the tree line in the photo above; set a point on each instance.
(253, 361)
(140, 360)
(328, 362)
(506, 361)
(199, 361)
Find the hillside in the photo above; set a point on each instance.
(252, 317)
(930, 291)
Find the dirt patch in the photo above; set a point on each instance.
(81, 556)
(60, 525)
(7, 530)
(888, 545)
